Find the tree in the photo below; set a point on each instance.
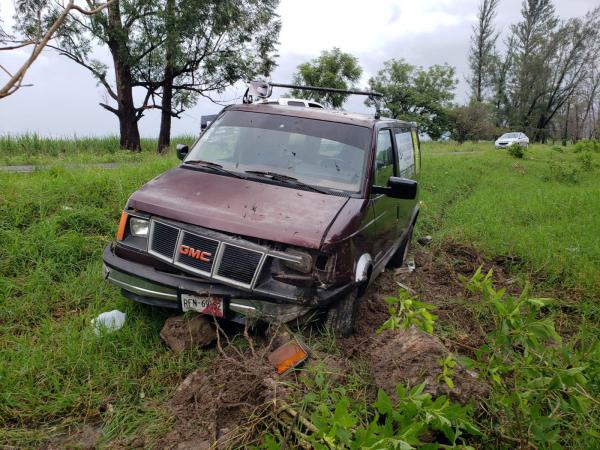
(210, 45)
(474, 121)
(416, 94)
(170, 51)
(481, 52)
(37, 38)
(333, 69)
(551, 61)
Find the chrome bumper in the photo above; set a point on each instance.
(152, 293)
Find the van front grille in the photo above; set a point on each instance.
(203, 255)
(238, 264)
(163, 240)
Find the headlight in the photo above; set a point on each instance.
(303, 262)
(138, 227)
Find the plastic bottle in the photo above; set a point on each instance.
(109, 321)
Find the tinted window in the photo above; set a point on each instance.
(406, 154)
(294, 103)
(316, 152)
(384, 158)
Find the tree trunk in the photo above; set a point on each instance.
(126, 111)
(164, 136)
(565, 131)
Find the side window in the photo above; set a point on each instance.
(384, 158)
(406, 153)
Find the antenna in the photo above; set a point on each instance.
(263, 89)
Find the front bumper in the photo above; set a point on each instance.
(145, 284)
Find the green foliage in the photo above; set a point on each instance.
(586, 161)
(416, 94)
(585, 145)
(405, 311)
(562, 172)
(406, 422)
(541, 386)
(333, 69)
(448, 365)
(516, 151)
(474, 121)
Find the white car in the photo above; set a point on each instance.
(508, 139)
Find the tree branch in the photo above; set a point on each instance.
(15, 82)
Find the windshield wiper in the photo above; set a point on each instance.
(286, 179)
(215, 167)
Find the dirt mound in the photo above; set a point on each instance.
(211, 404)
(410, 357)
(183, 332)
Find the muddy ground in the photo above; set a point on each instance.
(227, 404)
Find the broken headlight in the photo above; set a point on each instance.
(299, 261)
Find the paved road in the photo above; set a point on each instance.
(31, 168)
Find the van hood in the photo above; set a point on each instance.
(237, 206)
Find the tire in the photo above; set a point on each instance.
(398, 258)
(341, 315)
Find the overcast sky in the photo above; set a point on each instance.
(63, 100)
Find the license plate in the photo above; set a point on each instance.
(204, 305)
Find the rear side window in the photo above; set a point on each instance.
(384, 158)
(406, 153)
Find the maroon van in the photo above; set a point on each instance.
(276, 213)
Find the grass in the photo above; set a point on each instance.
(55, 374)
(33, 149)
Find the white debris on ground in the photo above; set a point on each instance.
(108, 321)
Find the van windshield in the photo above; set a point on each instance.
(315, 152)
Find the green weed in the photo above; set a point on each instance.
(516, 151)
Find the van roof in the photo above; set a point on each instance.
(330, 115)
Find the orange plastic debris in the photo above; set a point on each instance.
(287, 356)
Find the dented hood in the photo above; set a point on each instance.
(243, 207)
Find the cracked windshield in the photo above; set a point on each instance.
(317, 153)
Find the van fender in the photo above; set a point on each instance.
(363, 265)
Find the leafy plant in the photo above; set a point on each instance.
(405, 310)
(561, 172)
(516, 151)
(586, 161)
(587, 145)
(538, 382)
(404, 423)
(448, 365)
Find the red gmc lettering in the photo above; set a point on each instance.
(193, 253)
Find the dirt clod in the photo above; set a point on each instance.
(410, 357)
(182, 332)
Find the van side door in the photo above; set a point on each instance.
(384, 207)
(408, 158)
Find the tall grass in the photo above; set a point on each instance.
(34, 149)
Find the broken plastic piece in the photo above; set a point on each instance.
(289, 355)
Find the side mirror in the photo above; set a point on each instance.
(182, 151)
(402, 188)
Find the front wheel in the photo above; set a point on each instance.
(341, 315)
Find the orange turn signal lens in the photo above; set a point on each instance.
(287, 356)
(122, 225)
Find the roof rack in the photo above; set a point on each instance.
(263, 90)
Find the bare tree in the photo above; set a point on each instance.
(481, 53)
(38, 39)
